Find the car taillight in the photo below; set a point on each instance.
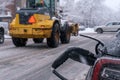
(32, 19)
(107, 69)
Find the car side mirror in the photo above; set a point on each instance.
(77, 54)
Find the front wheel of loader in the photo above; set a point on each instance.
(19, 42)
(53, 41)
(65, 35)
(38, 40)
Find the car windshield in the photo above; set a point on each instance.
(109, 24)
(113, 23)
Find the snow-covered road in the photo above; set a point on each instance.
(34, 61)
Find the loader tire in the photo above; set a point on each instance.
(53, 41)
(38, 40)
(19, 42)
(65, 35)
(2, 39)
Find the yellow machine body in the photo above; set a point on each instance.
(42, 28)
(38, 21)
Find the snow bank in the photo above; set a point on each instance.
(88, 30)
(7, 37)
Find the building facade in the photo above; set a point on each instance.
(13, 7)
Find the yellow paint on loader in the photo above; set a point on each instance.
(35, 21)
(41, 29)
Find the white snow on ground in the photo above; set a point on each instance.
(7, 36)
(88, 30)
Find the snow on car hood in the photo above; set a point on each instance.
(113, 46)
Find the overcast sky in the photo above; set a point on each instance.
(113, 4)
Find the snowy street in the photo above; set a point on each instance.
(34, 61)
(53, 26)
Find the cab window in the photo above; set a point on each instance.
(38, 3)
(47, 3)
(42, 3)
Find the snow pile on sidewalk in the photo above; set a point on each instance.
(7, 37)
(88, 30)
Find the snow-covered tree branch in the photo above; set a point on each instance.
(90, 12)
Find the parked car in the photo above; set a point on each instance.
(1, 35)
(3, 30)
(110, 27)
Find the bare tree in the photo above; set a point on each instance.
(90, 12)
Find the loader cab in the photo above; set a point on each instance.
(38, 3)
(50, 5)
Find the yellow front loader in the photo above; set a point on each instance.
(38, 21)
